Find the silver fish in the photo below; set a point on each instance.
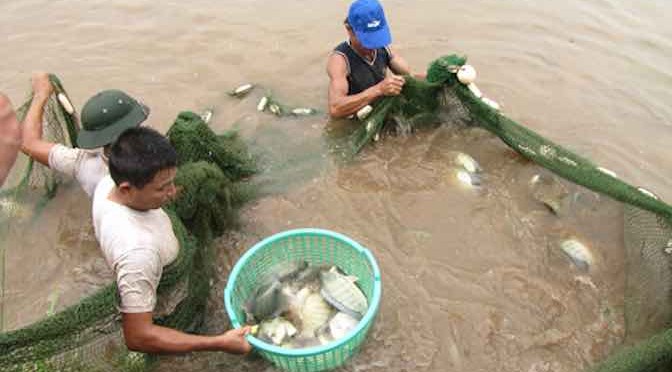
(287, 270)
(275, 109)
(242, 90)
(342, 293)
(467, 162)
(578, 253)
(309, 274)
(550, 192)
(468, 179)
(341, 325)
(299, 111)
(265, 302)
(261, 106)
(277, 330)
(314, 314)
(207, 116)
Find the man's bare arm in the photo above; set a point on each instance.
(399, 66)
(340, 103)
(142, 335)
(33, 144)
(10, 137)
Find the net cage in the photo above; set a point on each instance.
(206, 156)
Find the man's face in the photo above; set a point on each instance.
(156, 193)
(354, 41)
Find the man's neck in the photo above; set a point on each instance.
(365, 53)
(116, 197)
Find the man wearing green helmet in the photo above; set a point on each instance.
(128, 190)
(104, 117)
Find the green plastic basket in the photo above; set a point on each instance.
(315, 246)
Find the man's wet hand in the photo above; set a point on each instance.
(42, 87)
(392, 85)
(234, 342)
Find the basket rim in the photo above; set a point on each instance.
(264, 346)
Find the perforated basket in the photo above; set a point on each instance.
(318, 247)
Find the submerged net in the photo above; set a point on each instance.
(87, 336)
(36, 183)
(648, 220)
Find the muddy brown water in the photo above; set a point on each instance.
(473, 279)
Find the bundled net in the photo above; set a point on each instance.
(87, 336)
(648, 220)
(59, 126)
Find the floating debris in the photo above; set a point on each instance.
(261, 106)
(578, 253)
(241, 90)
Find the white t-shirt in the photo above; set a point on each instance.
(136, 245)
(87, 167)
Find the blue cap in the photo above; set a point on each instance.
(367, 19)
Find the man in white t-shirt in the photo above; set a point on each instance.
(104, 117)
(10, 137)
(137, 239)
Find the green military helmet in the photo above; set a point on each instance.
(106, 115)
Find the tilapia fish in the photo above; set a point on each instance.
(578, 253)
(342, 293)
(314, 314)
(264, 303)
(276, 330)
(341, 325)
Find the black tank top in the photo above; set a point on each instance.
(361, 73)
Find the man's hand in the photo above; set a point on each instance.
(234, 342)
(42, 87)
(392, 85)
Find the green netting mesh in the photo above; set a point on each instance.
(36, 183)
(648, 297)
(648, 227)
(87, 336)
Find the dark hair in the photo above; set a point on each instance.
(138, 155)
(347, 24)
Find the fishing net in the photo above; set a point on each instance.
(36, 183)
(87, 336)
(648, 228)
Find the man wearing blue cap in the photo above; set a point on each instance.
(358, 68)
